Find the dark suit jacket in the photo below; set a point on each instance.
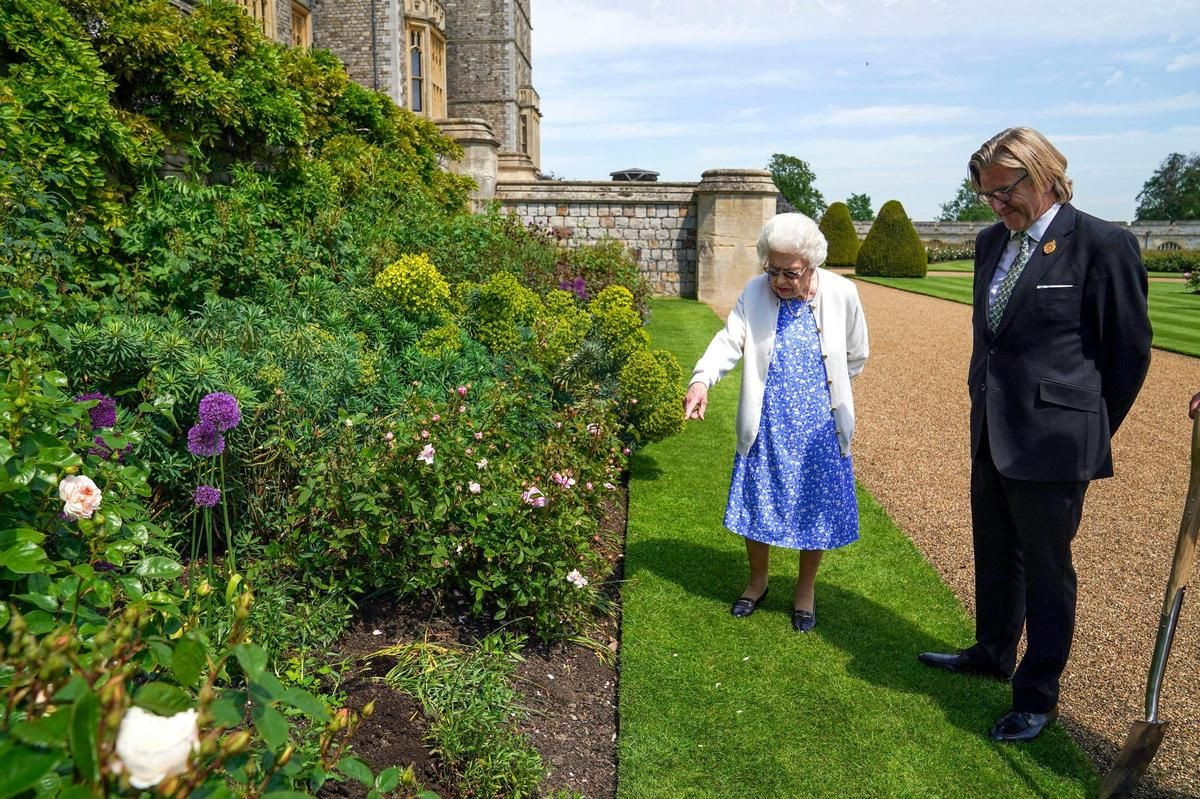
(1069, 356)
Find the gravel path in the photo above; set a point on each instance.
(911, 452)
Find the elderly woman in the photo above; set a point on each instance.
(803, 336)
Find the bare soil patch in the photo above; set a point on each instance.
(569, 690)
(911, 450)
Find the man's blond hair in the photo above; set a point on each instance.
(1026, 149)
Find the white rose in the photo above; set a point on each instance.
(80, 496)
(152, 748)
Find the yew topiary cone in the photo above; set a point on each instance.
(839, 231)
(892, 247)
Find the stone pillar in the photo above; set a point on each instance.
(732, 205)
(479, 161)
(516, 168)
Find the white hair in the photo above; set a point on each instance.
(792, 234)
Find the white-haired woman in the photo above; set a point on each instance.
(803, 336)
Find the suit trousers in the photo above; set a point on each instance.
(1024, 578)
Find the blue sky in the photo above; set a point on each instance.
(886, 97)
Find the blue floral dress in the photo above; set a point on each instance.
(794, 488)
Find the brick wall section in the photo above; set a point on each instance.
(657, 221)
(484, 63)
(344, 27)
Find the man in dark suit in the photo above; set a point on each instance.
(1061, 346)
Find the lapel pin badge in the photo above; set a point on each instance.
(1049, 247)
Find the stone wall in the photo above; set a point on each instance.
(482, 57)
(657, 221)
(344, 27)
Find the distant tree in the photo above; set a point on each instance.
(839, 232)
(966, 207)
(1173, 191)
(795, 179)
(860, 207)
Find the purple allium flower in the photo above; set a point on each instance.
(206, 496)
(104, 413)
(205, 441)
(220, 409)
(104, 566)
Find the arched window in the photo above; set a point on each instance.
(416, 70)
(426, 69)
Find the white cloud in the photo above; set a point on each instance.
(1185, 61)
(1160, 105)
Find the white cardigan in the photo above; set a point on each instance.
(750, 332)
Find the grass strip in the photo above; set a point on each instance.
(1174, 311)
(714, 707)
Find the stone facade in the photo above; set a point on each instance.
(490, 76)
(657, 221)
(370, 48)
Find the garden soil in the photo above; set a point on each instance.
(911, 450)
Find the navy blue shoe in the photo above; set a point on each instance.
(745, 605)
(803, 620)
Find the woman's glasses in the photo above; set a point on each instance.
(788, 274)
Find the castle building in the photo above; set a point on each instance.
(465, 64)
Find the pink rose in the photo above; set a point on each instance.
(474, 487)
(427, 455)
(80, 496)
(479, 436)
(437, 417)
(462, 391)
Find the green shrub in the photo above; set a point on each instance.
(1178, 261)
(616, 323)
(652, 394)
(892, 248)
(500, 313)
(412, 287)
(839, 231)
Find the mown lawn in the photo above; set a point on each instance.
(715, 707)
(1174, 311)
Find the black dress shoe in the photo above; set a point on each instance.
(1015, 727)
(744, 606)
(803, 620)
(961, 663)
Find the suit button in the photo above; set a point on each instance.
(983, 388)
(993, 351)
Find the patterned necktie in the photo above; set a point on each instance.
(1004, 291)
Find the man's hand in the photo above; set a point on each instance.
(695, 402)
(1193, 406)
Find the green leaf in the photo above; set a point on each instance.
(387, 780)
(5, 613)
(252, 658)
(21, 767)
(162, 699)
(271, 724)
(41, 601)
(227, 709)
(286, 794)
(188, 661)
(428, 795)
(356, 769)
(158, 566)
(305, 702)
(47, 732)
(85, 724)
(24, 557)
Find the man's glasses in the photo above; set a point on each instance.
(1000, 194)
(773, 273)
